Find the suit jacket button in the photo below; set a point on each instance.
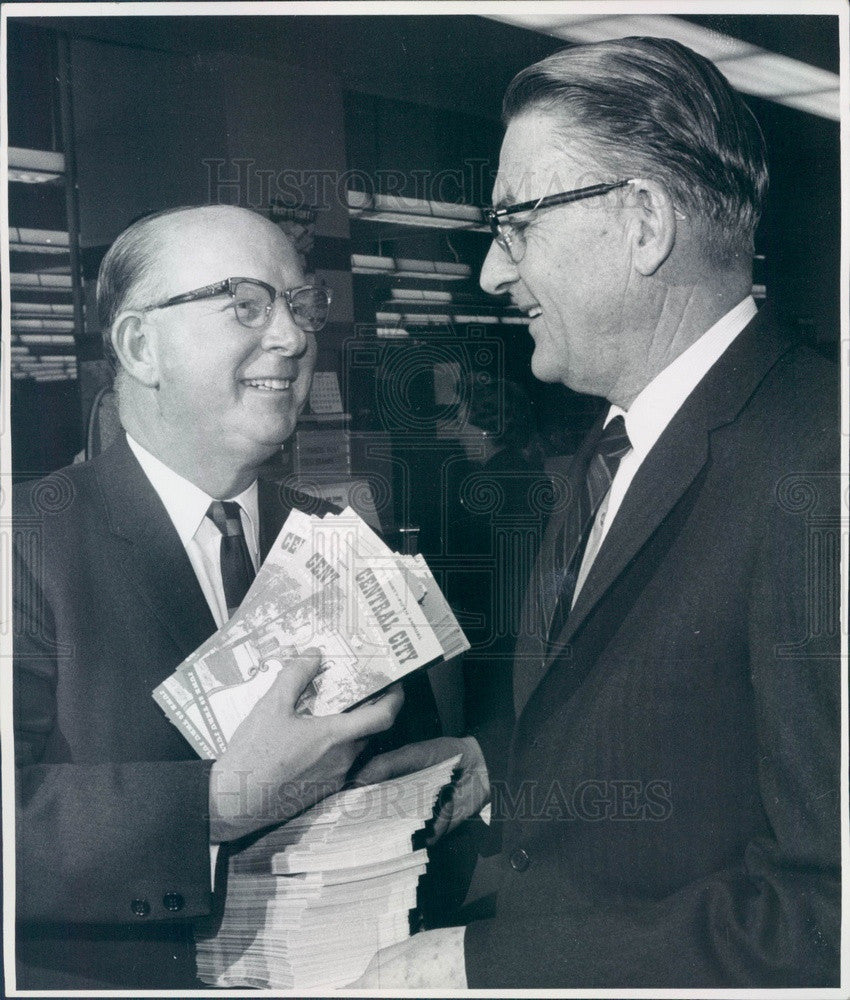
(141, 907)
(520, 860)
(173, 901)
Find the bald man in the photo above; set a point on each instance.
(213, 327)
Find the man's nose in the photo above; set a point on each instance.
(282, 332)
(498, 271)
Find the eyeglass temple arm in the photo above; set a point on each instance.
(559, 199)
(198, 293)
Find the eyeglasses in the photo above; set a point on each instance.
(253, 300)
(510, 236)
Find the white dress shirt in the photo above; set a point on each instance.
(653, 409)
(187, 507)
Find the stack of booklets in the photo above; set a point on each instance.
(310, 903)
(328, 582)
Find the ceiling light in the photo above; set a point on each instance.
(42, 309)
(766, 74)
(429, 269)
(42, 325)
(44, 339)
(35, 166)
(40, 240)
(414, 211)
(413, 319)
(420, 295)
(749, 68)
(39, 279)
(826, 104)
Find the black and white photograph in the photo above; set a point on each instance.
(424, 498)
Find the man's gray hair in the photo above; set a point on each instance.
(127, 277)
(651, 107)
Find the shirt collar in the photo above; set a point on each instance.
(654, 408)
(186, 503)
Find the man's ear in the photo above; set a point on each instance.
(654, 224)
(134, 343)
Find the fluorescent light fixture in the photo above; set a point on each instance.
(443, 319)
(476, 319)
(41, 365)
(42, 325)
(414, 211)
(43, 309)
(43, 339)
(767, 74)
(825, 104)
(35, 166)
(749, 68)
(49, 377)
(38, 240)
(52, 360)
(391, 332)
(420, 295)
(412, 319)
(18, 351)
(430, 269)
(39, 279)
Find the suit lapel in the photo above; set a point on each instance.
(670, 468)
(540, 599)
(153, 558)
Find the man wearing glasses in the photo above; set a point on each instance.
(666, 810)
(138, 556)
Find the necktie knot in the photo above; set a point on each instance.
(614, 443)
(226, 516)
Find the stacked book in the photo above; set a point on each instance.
(310, 903)
(328, 582)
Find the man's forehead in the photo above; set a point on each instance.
(207, 247)
(537, 158)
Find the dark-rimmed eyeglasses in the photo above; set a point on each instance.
(510, 236)
(253, 300)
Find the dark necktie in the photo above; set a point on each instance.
(571, 543)
(237, 570)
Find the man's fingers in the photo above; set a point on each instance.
(296, 673)
(382, 768)
(373, 717)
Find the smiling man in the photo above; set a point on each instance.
(666, 810)
(124, 566)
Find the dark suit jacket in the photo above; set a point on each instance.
(112, 818)
(669, 814)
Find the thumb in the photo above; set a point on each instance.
(384, 767)
(297, 670)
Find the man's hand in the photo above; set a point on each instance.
(279, 763)
(432, 958)
(466, 797)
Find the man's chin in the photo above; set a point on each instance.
(546, 369)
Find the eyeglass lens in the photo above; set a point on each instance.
(309, 306)
(511, 240)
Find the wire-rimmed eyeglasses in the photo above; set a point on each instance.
(510, 236)
(253, 300)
